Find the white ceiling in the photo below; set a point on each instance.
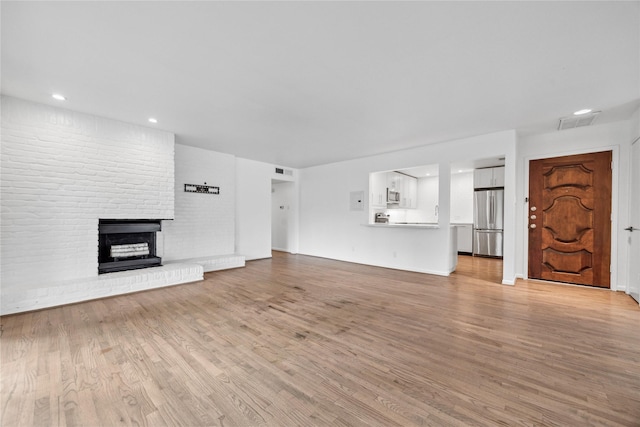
(307, 83)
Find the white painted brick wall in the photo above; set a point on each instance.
(204, 224)
(102, 286)
(60, 172)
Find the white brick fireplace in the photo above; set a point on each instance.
(61, 172)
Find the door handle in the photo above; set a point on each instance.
(631, 229)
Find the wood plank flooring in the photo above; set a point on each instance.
(303, 341)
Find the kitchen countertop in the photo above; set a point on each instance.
(404, 225)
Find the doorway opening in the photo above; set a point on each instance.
(282, 216)
(476, 210)
(480, 269)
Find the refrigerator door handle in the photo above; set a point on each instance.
(491, 211)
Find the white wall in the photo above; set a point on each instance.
(328, 229)
(462, 198)
(253, 208)
(61, 172)
(204, 224)
(613, 136)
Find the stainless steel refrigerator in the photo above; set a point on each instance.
(488, 213)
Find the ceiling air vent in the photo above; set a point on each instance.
(577, 121)
(281, 171)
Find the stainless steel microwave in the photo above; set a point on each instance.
(393, 196)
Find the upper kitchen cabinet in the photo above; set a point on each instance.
(488, 177)
(483, 178)
(394, 181)
(412, 192)
(406, 186)
(378, 189)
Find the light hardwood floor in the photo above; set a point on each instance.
(303, 341)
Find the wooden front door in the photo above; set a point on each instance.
(570, 219)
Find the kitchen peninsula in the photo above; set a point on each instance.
(403, 210)
(428, 246)
(405, 225)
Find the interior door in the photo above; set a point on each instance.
(634, 227)
(570, 219)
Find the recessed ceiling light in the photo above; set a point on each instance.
(152, 120)
(580, 112)
(58, 97)
(428, 174)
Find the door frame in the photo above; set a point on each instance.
(632, 166)
(293, 215)
(615, 159)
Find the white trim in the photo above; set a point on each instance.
(627, 287)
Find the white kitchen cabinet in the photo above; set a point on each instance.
(402, 189)
(428, 198)
(482, 178)
(394, 181)
(488, 177)
(465, 238)
(498, 176)
(412, 192)
(407, 186)
(378, 189)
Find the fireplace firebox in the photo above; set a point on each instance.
(127, 244)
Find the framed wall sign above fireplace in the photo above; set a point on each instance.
(195, 188)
